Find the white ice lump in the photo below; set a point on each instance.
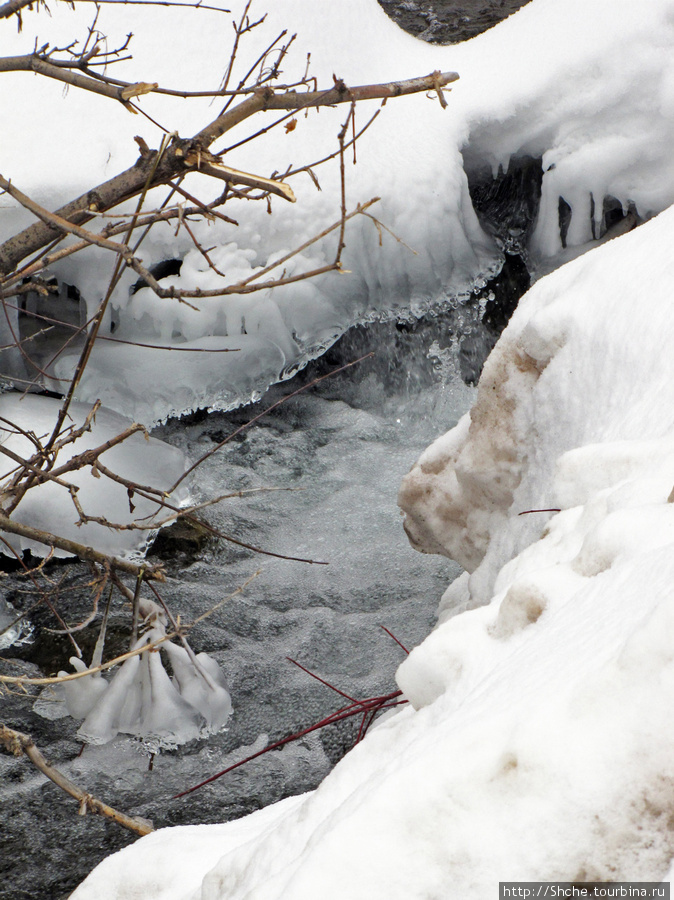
(143, 700)
(48, 506)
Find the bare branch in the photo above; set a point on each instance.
(13, 6)
(207, 164)
(34, 63)
(266, 99)
(18, 743)
(130, 183)
(196, 5)
(76, 549)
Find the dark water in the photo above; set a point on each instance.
(449, 21)
(341, 448)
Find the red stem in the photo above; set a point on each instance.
(373, 704)
(326, 683)
(390, 634)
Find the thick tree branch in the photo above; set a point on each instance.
(34, 63)
(204, 162)
(13, 6)
(266, 99)
(77, 549)
(175, 160)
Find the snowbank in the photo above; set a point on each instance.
(537, 745)
(586, 86)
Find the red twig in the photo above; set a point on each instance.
(322, 681)
(390, 634)
(368, 719)
(374, 704)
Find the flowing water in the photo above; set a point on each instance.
(337, 451)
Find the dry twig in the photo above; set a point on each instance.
(18, 744)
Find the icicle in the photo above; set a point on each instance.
(83, 694)
(204, 687)
(142, 700)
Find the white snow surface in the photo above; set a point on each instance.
(588, 85)
(537, 742)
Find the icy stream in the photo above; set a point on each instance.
(338, 452)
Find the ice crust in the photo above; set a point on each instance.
(48, 506)
(540, 84)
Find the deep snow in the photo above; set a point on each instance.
(538, 741)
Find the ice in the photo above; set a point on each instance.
(524, 91)
(143, 700)
(82, 695)
(48, 506)
(13, 627)
(200, 682)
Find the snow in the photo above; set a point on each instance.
(537, 742)
(538, 85)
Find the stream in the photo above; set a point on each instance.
(337, 452)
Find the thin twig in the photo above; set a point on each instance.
(150, 645)
(265, 412)
(76, 549)
(375, 703)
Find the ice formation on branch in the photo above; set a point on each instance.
(143, 700)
